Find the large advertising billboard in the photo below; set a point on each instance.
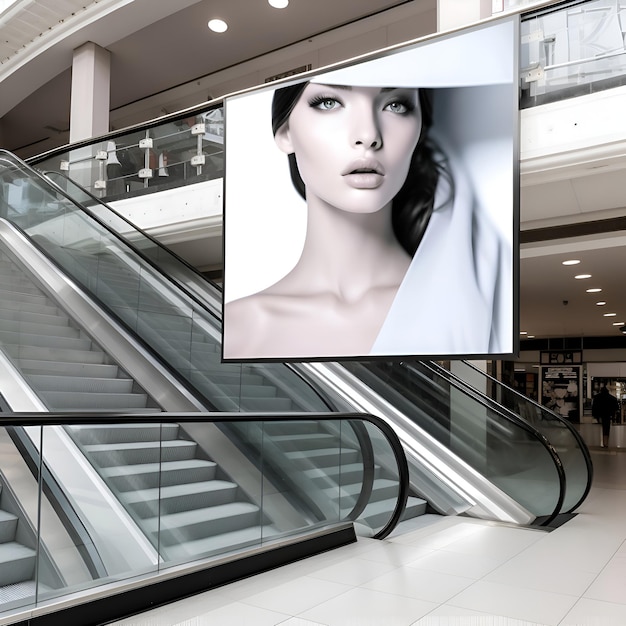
(371, 210)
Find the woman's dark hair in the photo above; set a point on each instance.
(413, 205)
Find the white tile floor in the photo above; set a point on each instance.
(444, 572)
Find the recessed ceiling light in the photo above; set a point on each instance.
(218, 26)
(278, 4)
(571, 262)
(618, 323)
(523, 332)
(601, 303)
(594, 290)
(610, 314)
(530, 337)
(582, 276)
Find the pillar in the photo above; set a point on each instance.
(90, 103)
(89, 108)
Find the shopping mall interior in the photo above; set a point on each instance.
(168, 461)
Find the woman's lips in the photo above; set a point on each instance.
(364, 174)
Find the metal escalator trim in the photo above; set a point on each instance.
(60, 502)
(482, 496)
(16, 391)
(155, 378)
(570, 427)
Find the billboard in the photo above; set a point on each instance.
(371, 210)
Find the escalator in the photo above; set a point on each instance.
(160, 327)
(560, 432)
(387, 387)
(61, 564)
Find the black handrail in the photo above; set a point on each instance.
(510, 417)
(555, 416)
(71, 419)
(197, 301)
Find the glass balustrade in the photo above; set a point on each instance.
(185, 149)
(174, 325)
(572, 49)
(92, 506)
(561, 434)
(504, 449)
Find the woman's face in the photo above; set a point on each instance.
(353, 145)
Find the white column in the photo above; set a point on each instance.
(453, 14)
(89, 109)
(90, 103)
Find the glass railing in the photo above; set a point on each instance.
(175, 325)
(177, 150)
(572, 49)
(561, 433)
(169, 263)
(165, 493)
(504, 449)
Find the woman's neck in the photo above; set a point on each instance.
(349, 254)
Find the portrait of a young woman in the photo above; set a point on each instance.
(394, 255)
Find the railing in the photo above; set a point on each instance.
(572, 49)
(135, 286)
(561, 434)
(510, 453)
(251, 486)
(180, 149)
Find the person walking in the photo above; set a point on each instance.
(603, 408)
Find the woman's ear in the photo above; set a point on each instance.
(283, 139)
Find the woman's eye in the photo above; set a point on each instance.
(397, 107)
(326, 104)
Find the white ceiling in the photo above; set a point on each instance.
(157, 44)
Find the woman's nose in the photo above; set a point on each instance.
(366, 133)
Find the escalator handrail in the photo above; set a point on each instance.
(188, 267)
(177, 285)
(73, 419)
(512, 419)
(555, 416)
(58, 189)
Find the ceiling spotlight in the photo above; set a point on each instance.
(218, 26)
(610, 314)
(593, 290)
(623, 330)
(582, 276)
(601, 303)
(618, 323)
(571, 262)
(278, 4)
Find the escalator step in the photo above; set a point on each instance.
(123, 433)
(140, 452)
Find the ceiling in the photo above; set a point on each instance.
(154, 45)
(157, 44)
